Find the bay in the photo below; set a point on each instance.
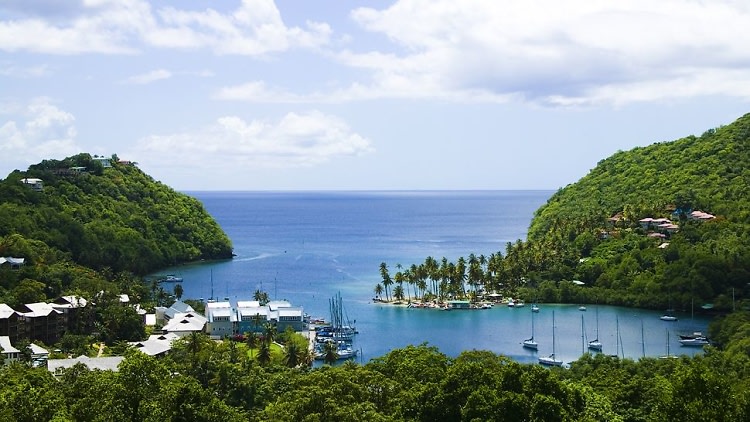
(306, 247)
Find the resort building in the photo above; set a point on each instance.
(156, 345)
(221, 319)
(108, 363)
(8, 353)
(71, 308)
(284, 315)
(9, 320)
(43, 322)
(184, 324)
(163, 315)
(251, 317)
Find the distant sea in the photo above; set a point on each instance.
(306, 247)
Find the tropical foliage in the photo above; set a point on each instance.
(96, 229)
(590, 232)
(117, 218)
(206, 380)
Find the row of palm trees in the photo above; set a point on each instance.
(468, 277)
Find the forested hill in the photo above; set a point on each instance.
(591, 229)
(117, 218)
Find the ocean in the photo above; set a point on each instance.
(306, 247)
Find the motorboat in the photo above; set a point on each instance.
(697, 341)
(667, 317)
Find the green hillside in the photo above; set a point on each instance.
(116, 218)
(590, 230)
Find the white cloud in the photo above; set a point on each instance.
(296, 140)
(40, 131)
(558, 52)
(149, 77)
(24, 72)
(255, 27)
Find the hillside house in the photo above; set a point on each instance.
(35, 184)
(104, 161)
(12, 263)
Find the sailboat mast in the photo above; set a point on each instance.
(553, 335)
(643, 342)
(532, 325)
(597, 322)
(617, 339)
(583, 337)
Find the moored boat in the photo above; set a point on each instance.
(667, 317)
(551, 360)
(530, 343)
(343, 351)
(697, 341)
(171, 278)
(595, 344)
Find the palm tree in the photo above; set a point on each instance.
(431, 271)
(378, 290)
(399, 279)
(398, 292)
(178, 291)
(269, 333)
(292, 354)
(386, 279)
(330, 353)
(264, 353)
(251, 339)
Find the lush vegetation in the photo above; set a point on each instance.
(589, 231)
(255, 379)
(117, 218)
(97, 229)
(203, 380)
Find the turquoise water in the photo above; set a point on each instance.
(307, 246)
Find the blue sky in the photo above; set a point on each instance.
(324, 94)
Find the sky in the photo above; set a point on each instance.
(365, 95)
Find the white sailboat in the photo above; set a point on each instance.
(530, 343)
(595, 344)
(667, 356)
(551, 360)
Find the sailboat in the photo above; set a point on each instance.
(618, 343)
(551, 360)
(340, 329)
(530, 343)
(595, 344)
(667, 356)
(669, 316)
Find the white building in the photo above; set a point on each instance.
(8, 352)
(221, 319)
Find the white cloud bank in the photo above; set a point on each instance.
(254, 28)
(296, 140)
(551, 52)
(41, 131)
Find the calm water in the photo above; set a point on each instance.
(306, 247)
